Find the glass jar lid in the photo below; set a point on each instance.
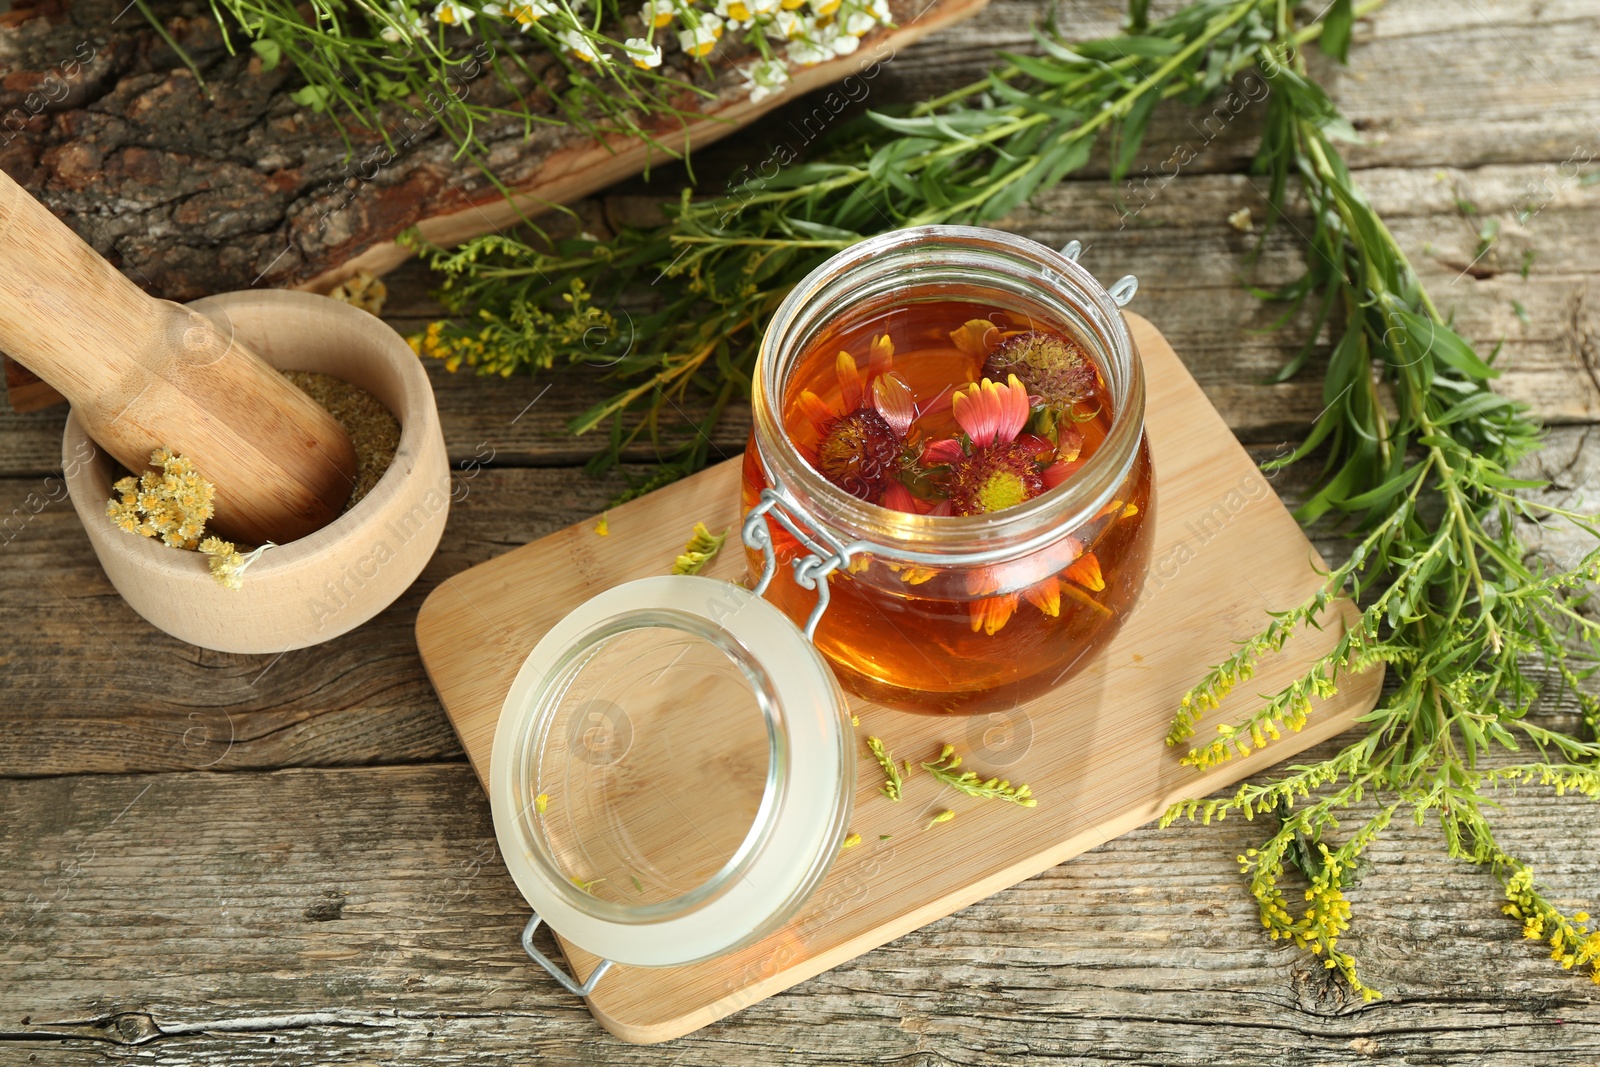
(673, 771)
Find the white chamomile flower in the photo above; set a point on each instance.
(736, 12)
(411, 24)
(656, 13)
(765, 78)
(644, 54)
(859, 24)
(808, 53)
(824, 8)
(453, 13)
(788, 25)
(526, 12)
(580, 46)
(700, 40)
(764, 9)
(836, 41)
(879, 9)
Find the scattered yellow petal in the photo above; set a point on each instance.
(944, 816)
(851, 842)
(603, 527)
(541, 802)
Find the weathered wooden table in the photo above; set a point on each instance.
(208, 858)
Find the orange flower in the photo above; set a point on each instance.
(1085, 570)
(860, 440)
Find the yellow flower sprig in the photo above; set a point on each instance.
(174, 504)
(945, 767)
(702, 548)
(892, 780)
(1326, 915)
(1574, 943)
(228, 564)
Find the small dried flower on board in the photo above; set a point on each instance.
(702, 548)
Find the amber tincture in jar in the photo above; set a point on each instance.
(988, 422)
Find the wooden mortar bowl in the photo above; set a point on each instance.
(328, 582)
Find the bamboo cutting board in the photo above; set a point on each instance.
(1225, 552)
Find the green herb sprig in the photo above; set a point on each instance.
(945, 769)
(893, 782)
(1449, 596)
(701, 549)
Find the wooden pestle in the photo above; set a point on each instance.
(144, 373)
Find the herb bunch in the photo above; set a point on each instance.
(1449, 597)
(602, 69)
(387, 65)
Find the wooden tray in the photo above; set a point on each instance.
(1226, 551)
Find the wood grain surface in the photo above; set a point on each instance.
(215, 859)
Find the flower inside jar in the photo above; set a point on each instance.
(942, 407)
(948, 420)
(969, 412)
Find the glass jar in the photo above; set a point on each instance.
(942, 613)
(672, 775)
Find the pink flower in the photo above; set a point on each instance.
(990, 413)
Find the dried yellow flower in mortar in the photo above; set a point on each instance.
(172, 504)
